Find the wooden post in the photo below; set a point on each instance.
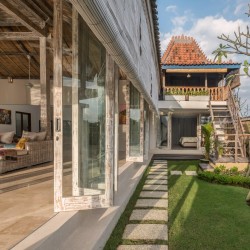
(116, 137)
(163, 80)
(170, 130)
(199, 131)
(110, 112)
(205, 80)
(45, 114)
(57, 87)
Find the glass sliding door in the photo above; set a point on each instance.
(135, 151)
(83, 114)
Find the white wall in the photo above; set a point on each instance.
(14, 93)
(32, 109)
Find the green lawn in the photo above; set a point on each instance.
(204, 215)
(183, 165)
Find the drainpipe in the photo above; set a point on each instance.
(105, 26)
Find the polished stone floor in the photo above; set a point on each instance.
(26, 202)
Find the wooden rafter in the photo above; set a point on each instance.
(20, 17)
(18, 36)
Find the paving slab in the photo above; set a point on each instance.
(142, 247)
(159, 167)
(155, 187)
(158, 170)
(146, 232)
(191, 173)
(156, 182)
(149, 214)
(157, 177)
(157, 173)
(175, 172)
(161, 203)
(154, 194)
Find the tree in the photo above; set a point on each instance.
(220, 52)
(239, 44)
(207, 131)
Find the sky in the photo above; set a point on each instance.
(204, 20)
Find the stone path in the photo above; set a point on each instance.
(189, 173)
(148, 221)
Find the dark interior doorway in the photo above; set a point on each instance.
(183, 127)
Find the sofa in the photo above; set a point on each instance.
(33, 153)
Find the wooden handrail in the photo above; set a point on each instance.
(215, 93)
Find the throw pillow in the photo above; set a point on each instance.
(40, 136)
(7, 137)
(31, 136)
(21, 143)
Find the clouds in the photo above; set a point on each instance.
(171, 8)
(204, 30)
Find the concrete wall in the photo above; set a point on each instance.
(34, 110)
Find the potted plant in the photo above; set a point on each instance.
(207, 131)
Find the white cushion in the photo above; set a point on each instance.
(40, 136)
(7, 137)
(29, 135)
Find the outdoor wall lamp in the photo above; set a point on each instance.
(10, 79)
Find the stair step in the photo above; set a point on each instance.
(222, 116)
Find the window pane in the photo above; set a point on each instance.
(84, 113)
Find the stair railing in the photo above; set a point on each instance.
(233, 107)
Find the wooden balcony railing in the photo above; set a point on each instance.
(216, 93)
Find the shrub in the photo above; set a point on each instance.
(236, 180)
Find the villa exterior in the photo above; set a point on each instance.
(196, 91)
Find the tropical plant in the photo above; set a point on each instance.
(207, 130)
(220, 52)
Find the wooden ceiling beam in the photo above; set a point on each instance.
(20, 17)
(14, 53)
(18, 36)
(10, 23)
(39, 19)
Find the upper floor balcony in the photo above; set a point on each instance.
(191, 97)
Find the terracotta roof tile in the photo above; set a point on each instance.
(184, 50)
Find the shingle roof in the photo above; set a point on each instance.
(184, 50)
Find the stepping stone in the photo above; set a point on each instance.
(158, 170)
(149, 214)
(158, 167)
(157, 177)
(191, 173)
(175, 172)
(159, 173)
(157, 182)
(142, 247)
(161, 203)
(154, 194)
(155, 187)
(146, 232)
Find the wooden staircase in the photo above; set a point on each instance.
(228, 127)
(224, 130)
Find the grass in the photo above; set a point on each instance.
(206, 216)
(183, 165)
